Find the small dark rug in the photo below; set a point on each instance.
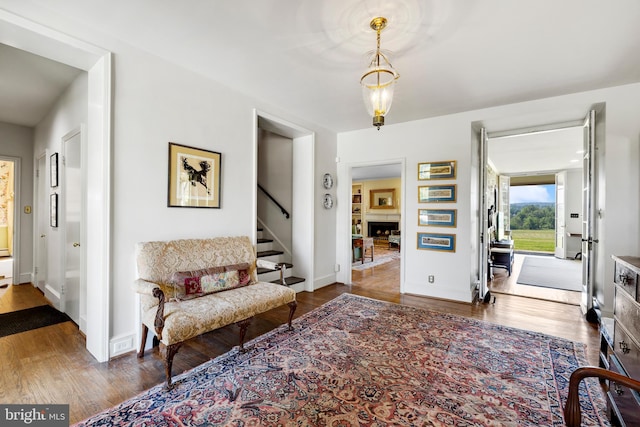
(30, 318)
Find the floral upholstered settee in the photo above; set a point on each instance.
(192, 286)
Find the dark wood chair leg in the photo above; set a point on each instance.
(145, 332)
(243, 324)
(292, 309)
(168, 362)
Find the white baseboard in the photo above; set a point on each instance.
(25, 278)
(321, 282)
(52, 295)
(122, 344)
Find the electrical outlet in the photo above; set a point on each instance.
(432, 278)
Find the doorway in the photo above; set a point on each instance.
(300, 235)
(376, 226)
(9, 170)
(538, 208)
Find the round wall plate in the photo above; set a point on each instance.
(327, 181)
(327, 201)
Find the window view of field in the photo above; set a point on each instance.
(533, 218)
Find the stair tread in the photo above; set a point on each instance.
(266, 270)
(265, 240)
(268, 253)
(290, 280)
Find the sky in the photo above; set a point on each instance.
(532, 194)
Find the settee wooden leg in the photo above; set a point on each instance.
(168, 362)
(244, 325)
(145, 332)
(292, 309)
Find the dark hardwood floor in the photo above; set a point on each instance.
(51, 365)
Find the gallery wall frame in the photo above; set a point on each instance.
(437, 217)
(437, 193)
(194, 177)
(53, 210)
(53, 169)
(437, 170)
(437, 242)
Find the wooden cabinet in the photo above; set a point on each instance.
(623, 349)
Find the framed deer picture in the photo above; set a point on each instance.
(194, 177)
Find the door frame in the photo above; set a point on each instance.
(303, 171)
(15, 240)
(32, 37)
(343, 215)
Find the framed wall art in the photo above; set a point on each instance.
(382, 198)
(53, 210)
(437, 193)
(437, 217)
(53, 168)
(437, 170)
(437, 242)
(194, 177)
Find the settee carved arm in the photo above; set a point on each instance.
(159, 322)
(572, 412)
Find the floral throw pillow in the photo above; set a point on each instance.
(197, 283)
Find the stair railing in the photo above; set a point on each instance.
(282, 209)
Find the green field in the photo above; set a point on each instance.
(534, 240)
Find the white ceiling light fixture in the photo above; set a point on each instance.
(379, 79)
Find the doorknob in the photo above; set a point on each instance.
(76, 244)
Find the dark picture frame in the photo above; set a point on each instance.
(194, 177)
(53, 210)
(53, 168)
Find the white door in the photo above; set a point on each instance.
(483, 243)
(588, 214)
(42, 223)
(72, 199)
(561, 182)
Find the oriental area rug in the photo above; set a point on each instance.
(361, 362)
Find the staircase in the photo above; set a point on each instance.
(268, 250)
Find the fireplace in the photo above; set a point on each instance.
(381, 230)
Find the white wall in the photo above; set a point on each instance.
(67, 114)
(17, 141)
(448, 138)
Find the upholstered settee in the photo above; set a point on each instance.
(192, 286)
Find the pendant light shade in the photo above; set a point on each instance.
(378, 80)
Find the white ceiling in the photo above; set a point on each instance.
(528, 154)
(29, 85)
(307, 56)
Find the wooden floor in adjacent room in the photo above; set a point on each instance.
(51, 365)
